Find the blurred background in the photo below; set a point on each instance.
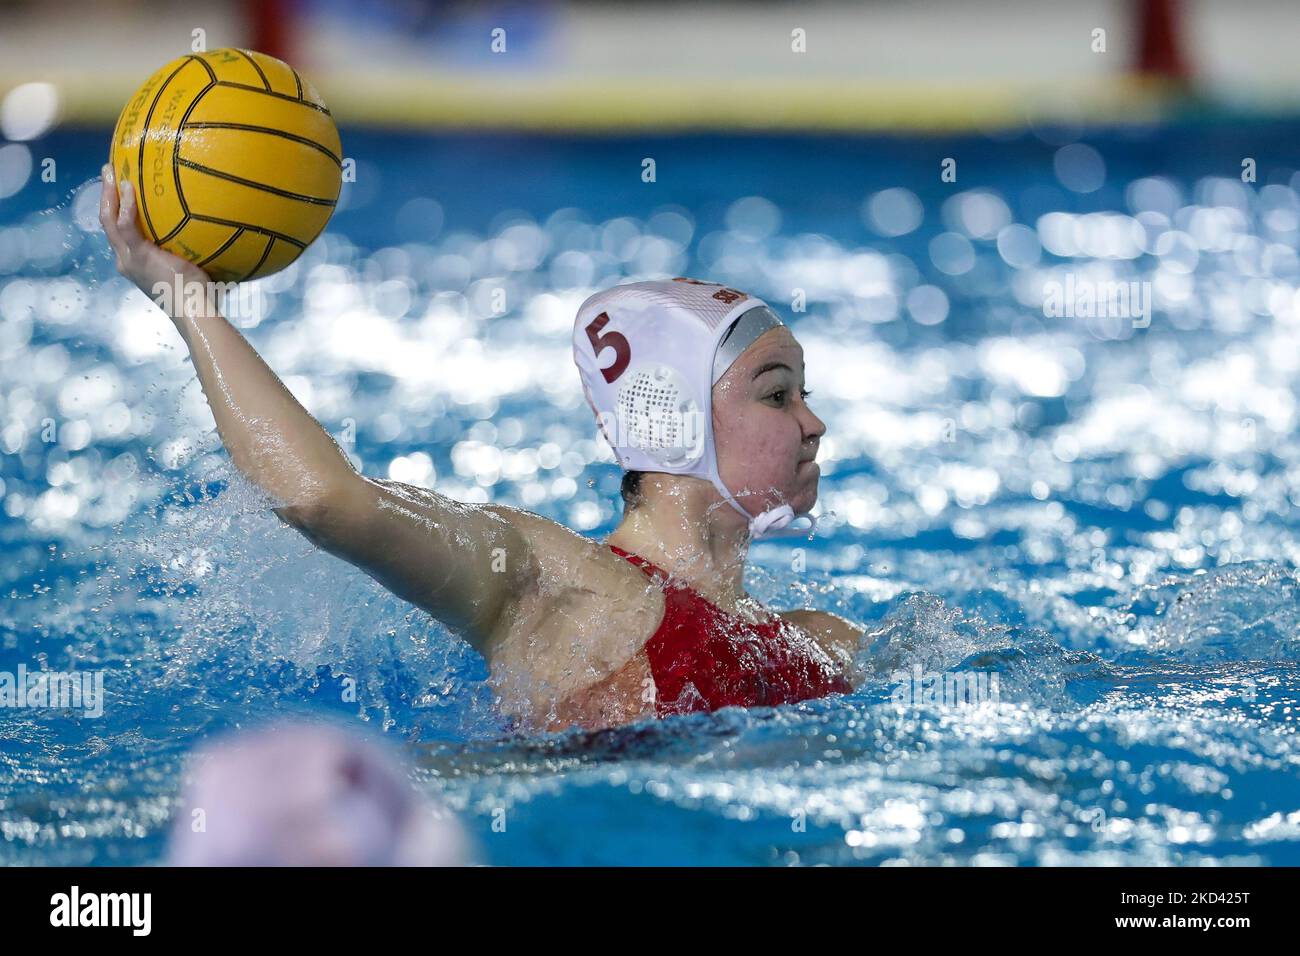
(576, 65)
(1099, 505)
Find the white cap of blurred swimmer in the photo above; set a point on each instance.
(307, 794)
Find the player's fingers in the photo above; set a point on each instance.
(108, 201)
(108, 210)
(127, 226)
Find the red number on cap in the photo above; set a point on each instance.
(612, 340)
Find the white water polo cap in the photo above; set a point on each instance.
(649, 354)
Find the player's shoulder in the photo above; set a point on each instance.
(815, 619)
(568, 557)
(836, 635)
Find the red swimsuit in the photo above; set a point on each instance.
(703, 658)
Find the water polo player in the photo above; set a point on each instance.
(699, 389)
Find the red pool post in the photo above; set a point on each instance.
(1161, 53)
(268, 22)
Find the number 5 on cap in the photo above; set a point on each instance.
(611, 340)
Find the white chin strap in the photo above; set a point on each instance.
(771, 522)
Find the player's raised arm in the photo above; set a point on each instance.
(271, 438)
(465, 565)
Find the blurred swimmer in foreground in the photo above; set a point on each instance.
(305, 794)
(700, 391)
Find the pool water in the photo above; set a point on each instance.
(1097, 515)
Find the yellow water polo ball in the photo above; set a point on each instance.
(235, 160)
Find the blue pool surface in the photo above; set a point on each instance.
(1101, 512)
